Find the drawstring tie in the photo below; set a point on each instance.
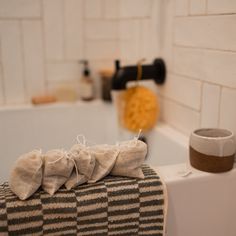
(136, 138)
(65, 154)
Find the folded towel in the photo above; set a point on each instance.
(113, 206)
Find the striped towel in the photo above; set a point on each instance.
(115, 206)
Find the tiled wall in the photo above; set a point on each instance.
(41, 41)
(199, 44)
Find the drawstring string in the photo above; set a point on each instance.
(130, 144)
(83, 142)
(138, 136)
(139, 133)
(63, 154)
(83, 139)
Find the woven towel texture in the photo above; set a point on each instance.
(113, 206)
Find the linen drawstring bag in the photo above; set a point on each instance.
(105, 156)
(130, 159)
(84, 164)
(79, 146)
(26, 175)
(57, 169)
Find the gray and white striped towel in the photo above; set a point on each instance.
(116, 206)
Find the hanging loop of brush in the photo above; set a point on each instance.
(139, 70)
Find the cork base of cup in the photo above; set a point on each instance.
(213, 164)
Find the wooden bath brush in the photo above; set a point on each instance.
(141, 107)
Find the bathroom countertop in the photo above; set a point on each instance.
(183, 171)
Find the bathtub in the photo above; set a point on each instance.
(199, 203)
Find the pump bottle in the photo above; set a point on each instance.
(86, 84)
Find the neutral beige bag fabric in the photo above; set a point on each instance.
(57, 169)
(75, 150)
(131, 156)
(105, 156)
(75, 180)
(26, 175)
(84, 166)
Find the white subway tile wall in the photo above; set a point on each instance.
(63, 71)
(200, 37)
(73, 29)
(227, 109)
(221, 7)
(210, 105)
(12, 60)
(20, 8)
(197, 7)
(180, 117)
(184, 90)
(54, 28)
(42, 41)
(181, 7)
(33, 57)
(1, 87)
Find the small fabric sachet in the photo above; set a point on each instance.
(26, 175)
(57, 169)
(105, 156)
(84, 164)
(130, 159)
(75, 180)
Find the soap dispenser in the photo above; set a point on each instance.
(86, 84)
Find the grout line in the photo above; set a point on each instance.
(19, 18)
(140, 40)
(202, 48)
(44, 48)
(201, 104)
(102, 10)
(67, 61)
(201, 101)
(189, 8)
(101, 39)
(219, 107)
(206, 15)
(118, 19)
(173, 73)
(179, 103)
(201, 80)
(84, 45)
(162, 30)
(103, 20)
(173, 26)
(183, 131)
(26, 92)
(206, 7)
(63, 15)
(2, 77)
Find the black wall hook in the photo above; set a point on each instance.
(155, 71)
